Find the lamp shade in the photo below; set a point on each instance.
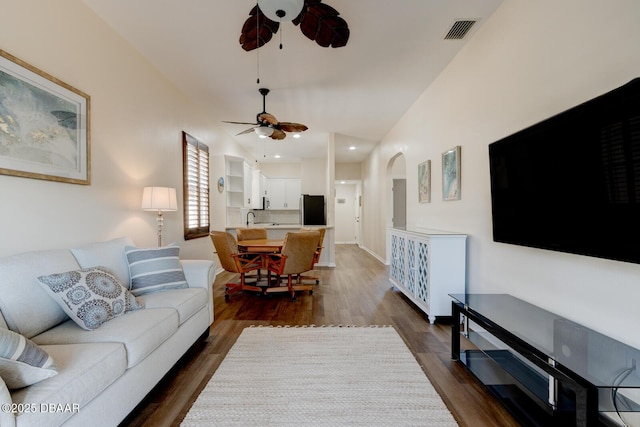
(264, 131)
(281, 10)
(159, 199)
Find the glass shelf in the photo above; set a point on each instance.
(547, 347)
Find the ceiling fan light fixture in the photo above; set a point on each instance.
(281, 10)
(264, 131)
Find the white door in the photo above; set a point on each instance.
(345, 208)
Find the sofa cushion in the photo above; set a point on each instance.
(90, 296)
(26, 307)
(85, 371)
(109, 254)
(187, 301)
(140, 331)
(6, 417)
(22, 362)
(155, 269)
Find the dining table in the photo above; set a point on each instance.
(261, 245)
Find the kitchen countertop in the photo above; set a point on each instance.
(271, 225)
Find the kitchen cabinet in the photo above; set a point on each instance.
(284, 193)
(259, 189)
(247, 177)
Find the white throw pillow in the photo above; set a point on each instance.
(155, 269)
(90, 296)
(22, 362)
(109, 254)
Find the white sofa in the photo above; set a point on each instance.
(103, 373)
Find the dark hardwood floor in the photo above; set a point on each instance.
(356, 292)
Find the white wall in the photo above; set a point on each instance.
(348, 171)
(136, 120)
(529, 61)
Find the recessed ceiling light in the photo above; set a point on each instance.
(297, 135)
(277, 156)
(343, 182)
(352, 148)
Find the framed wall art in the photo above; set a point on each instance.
(451, 174)
(44, 125)
(424, 182)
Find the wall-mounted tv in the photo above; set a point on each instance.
(572, 182)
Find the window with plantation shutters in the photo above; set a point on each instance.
(195, 156)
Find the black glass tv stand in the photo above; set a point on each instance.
(545, 369)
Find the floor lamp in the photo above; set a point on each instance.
(159, 199)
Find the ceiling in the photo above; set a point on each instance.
(357, 92)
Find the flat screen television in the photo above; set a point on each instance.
(572, 182)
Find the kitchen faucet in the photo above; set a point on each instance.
(254, 217)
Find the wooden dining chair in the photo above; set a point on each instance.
(316, 259)
(297, 256)
(252, 233)
(234, 261)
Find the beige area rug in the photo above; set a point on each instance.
(319, 376)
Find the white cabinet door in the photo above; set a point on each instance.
(293, 188)
(427, 266)
(284, 193)
(248, 178)
(276, 193)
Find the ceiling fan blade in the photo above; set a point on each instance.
(247, 131)
(292, 127)
(278, 134)
(321, 23)
(269, 118)
(257, 30)
(239, 123)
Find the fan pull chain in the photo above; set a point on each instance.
(281, 34)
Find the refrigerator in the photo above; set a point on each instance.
(312, 210)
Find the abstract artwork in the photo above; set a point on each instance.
(451, 174)
(424, 182)
(44, 125)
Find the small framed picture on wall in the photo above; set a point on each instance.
(451, 174)
(424, 182)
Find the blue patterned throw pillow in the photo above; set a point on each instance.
(90, 296)
(153, 270)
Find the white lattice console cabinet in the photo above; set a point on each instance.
(427, 266)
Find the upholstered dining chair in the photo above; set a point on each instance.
(234, 261)
(251, 233)
(316, 259)
(297, 256)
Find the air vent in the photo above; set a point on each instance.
(459, 29)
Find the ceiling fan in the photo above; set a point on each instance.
(267, 125)
(318, 21)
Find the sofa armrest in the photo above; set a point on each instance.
(7, 418)
(201, 274)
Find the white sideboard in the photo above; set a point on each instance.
(427, 266)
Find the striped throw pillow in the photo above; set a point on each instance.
(22, 362)
(156, 269)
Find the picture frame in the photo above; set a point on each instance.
(44, 125)
(424, 182)
(451, 183)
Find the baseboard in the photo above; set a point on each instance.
(373, 254)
